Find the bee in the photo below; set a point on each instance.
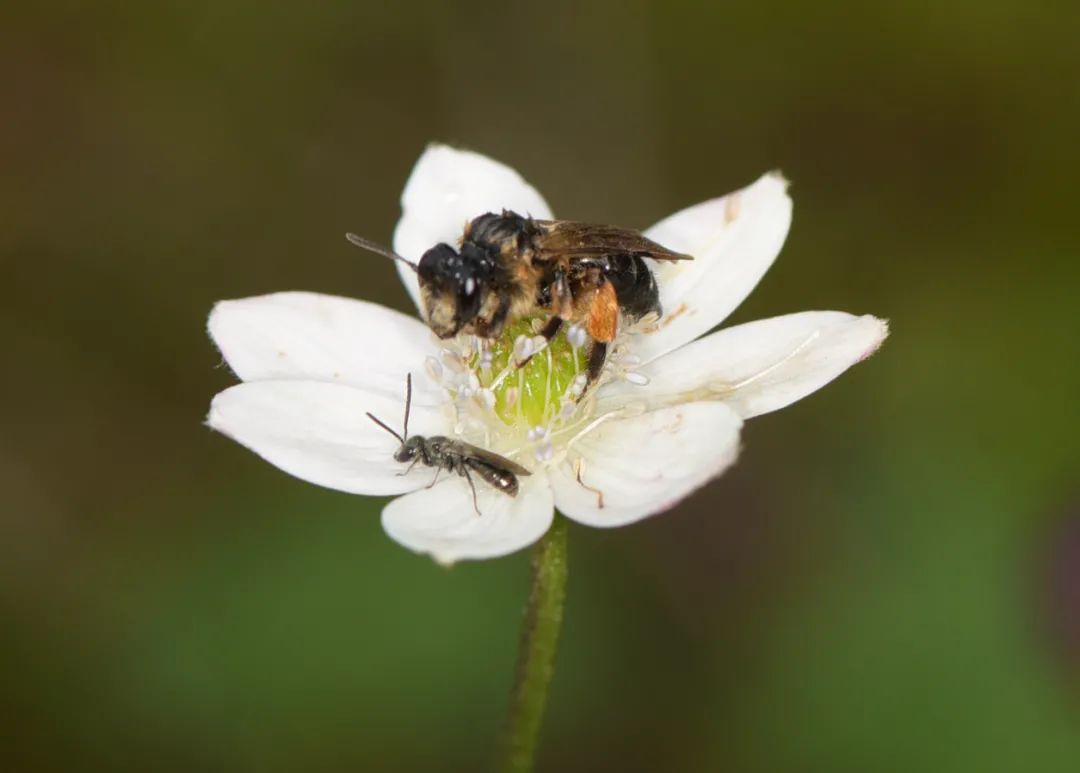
(445, 453)
(509, 266)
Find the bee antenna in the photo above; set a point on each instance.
(392, 432)
(408, 402)
(378, 249)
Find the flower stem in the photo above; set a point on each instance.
(536, 653)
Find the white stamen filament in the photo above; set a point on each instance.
(772, 368)
(492, 412)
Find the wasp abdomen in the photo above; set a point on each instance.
(502, 479)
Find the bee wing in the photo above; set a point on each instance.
(493, 459)
(566, 238)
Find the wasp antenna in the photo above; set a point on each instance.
(392, 432)
(408, 402)
(378, 249)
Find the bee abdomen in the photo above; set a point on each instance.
(635, 286)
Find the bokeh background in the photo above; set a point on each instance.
(889, 579)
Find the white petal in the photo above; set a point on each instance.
(443, 522)
(734, 240)
(448, 188)
(757, 367)
(319, 432)
(325, 338)
(635, 467)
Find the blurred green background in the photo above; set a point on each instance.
(889, 579)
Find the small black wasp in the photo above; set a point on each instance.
(445, 453)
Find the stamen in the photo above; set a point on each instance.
(577, 386)
(434, 369)
(523, 348)
(545, 452)
(577, 336)
(521, 394)
(453, 360)
(772, 368)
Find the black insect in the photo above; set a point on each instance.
(445, 453)
(509, 266)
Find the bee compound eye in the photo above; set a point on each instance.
(439, 265)
(470, 294)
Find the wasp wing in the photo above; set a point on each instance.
(488, 457)
(567, 238)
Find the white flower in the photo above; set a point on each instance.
(664, 420)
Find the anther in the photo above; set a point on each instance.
(537, 433)
(434, 369)
(577, 386)
(577, 336)
(523, 348)
(452, 360)
(545, 452)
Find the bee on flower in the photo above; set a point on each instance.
(607, 440)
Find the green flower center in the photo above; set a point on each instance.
(546, 387)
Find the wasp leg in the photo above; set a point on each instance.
(436, 478)
(468, 477)
(549, 331)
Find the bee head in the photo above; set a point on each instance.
(409, 450)
(453, 286)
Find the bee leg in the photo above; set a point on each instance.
(597, 355)
(551, 328)
(549, 331)
(562, 297)
(602, 324)
(409, 468)
(468, 477)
